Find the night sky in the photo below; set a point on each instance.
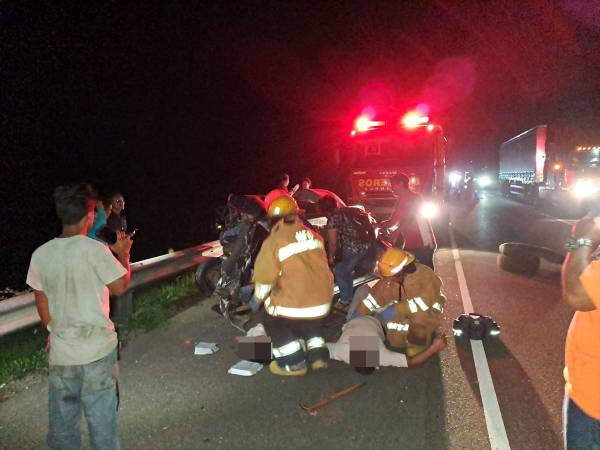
(179, 104)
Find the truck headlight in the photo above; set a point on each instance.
(585, 188)
(455, 178)
(429, 210)
(484, 181)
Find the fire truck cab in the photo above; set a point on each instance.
(377, 150)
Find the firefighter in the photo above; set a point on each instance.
(407, 300)
(293, 281)
(408, 220)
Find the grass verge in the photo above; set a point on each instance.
(154, 305)
(22, 353)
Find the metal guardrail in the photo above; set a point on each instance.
(20, 312)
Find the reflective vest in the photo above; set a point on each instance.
(418, 306)
(293, 263)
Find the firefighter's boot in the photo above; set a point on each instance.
(297, 370)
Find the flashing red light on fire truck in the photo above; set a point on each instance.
(413, 119)
(364, 123)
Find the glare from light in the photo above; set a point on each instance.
(557, 166)
(429, 210)
(585, 188)
(455, 178)
(484, 181)
(362, 124)
(430, 127)
(413, 119)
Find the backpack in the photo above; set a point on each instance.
(361, 222)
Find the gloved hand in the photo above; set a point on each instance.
(387, 314)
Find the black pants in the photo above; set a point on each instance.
(285, 331)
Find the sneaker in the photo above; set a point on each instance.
(297, 370)
(319, 364)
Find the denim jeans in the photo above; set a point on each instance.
(92, 387)
(343, 274)
(581, 431)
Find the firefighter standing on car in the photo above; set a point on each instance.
(407, 300)
(408, 221)
(293, 281)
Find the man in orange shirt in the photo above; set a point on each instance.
(581, 290)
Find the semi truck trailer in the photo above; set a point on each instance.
(549, 161)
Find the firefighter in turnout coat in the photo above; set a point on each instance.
(407, 300)
(294, 283)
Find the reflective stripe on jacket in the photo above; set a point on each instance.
(293, 260)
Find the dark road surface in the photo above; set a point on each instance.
(172, 399)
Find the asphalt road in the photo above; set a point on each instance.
(172, 399)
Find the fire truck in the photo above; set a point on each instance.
(380, 147)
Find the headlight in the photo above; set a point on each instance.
(484, 181)
(585, 188)
(429, 210)
(455, 178)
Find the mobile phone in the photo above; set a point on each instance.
(109, 235)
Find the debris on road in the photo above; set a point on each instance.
(245, 368)
(313, 408)
(258, 330)
(205, 348)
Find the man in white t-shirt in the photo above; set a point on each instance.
(362, 345)
(72, 277)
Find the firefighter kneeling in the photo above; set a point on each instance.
(293, 281)
(407, 300)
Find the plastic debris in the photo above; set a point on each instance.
(258, 330)
(205, 348)
(245, 368)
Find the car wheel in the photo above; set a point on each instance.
(207, 276)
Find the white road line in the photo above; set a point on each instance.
(491, 409)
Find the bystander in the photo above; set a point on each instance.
(117, 220)
(348, 244)
(72, 276)
(406, 219)
(581, 290)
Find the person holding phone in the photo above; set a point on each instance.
(72, 277)
(581, 291)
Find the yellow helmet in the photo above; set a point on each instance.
(282, 206)
(393, 261)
